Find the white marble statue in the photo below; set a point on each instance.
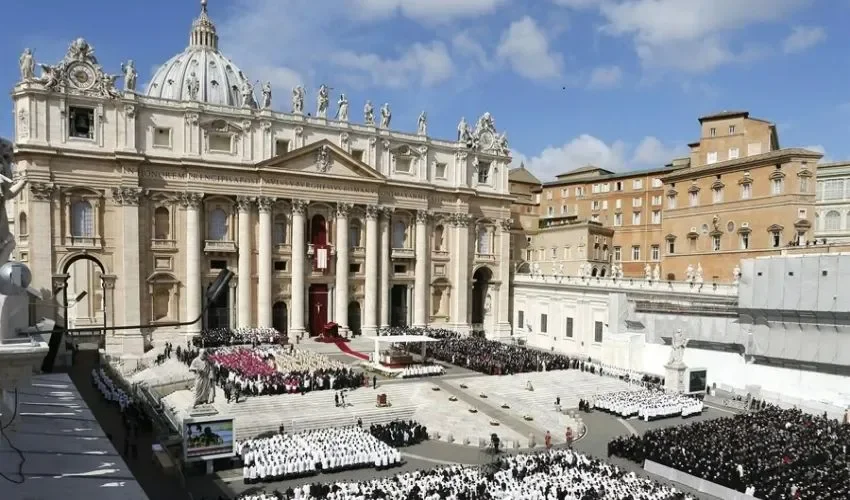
(27, 62)
(386, 115)
(559, 269)
(204, 384)
(647, 271)
(736, 274)
(298, 99)
(193, 86)
(463, 133)
(677, 354)
(248, 99)
(615, 271)
(130, 75)
(502, 144)
(698, 276)
(485, 124)
(656, 273)
(488, 304)
(267, 95)
(422, 124)
(620, 273)
(689, 273)
(535, 269)
(369, 113)
(322, 101)
(342, 108)
(8, 190)
(51, 76)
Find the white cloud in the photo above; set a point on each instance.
(430, 11)
(525, 47)
(422, 64)
(688, 34)
(818, 148)
(466, 46)
(588, 150)
(604, 77)
(578, 4)
(803, 38)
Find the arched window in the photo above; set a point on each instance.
(82, 219)
(218, 225)
(279, 230)
(354, 231)
(399, 234)
(832, 221)
(161, 224)
(438, 237)
(23, 228)
(483, 241)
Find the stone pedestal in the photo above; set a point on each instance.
(674, 377)
(205, 410)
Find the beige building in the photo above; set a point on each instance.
(742, 196)
(832, 215)
(322, 219)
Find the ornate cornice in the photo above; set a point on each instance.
(191, 199)
(244, 203)
(42, 191)
(373, 212)
(461, 220)
(265, 203)
(192, 118)
(128, 196)
(387, 212)
(299, 207)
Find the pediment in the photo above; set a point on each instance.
(220, 125)
(324, 159)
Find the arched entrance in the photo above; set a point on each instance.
(280, 317)
(83, 273)
(354, 317)
(218, 312)
(318, 304)
(594, 272)
(319, 240)
(481, 284)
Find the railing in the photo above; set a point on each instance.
(486, 257)
(440, 254)
(219, 246)
(358, 251)
(83, 242)
(403, 253)
(163, 244)
(723, 289)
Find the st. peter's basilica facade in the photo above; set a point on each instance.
(321, 219)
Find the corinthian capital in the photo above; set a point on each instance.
(299, 207)
(506, 224)
(127, 195)
(422, 216)
(41, 191)
(343, 209)
(244, 203)
(265, 203)
(191, 199)
(373, 211)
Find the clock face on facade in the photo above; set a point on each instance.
(486, 140)
(82, 76)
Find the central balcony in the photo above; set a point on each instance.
(219, 246)
(403, 253)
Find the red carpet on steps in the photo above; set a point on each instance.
(342, 345)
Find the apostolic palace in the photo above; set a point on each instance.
(323, 217)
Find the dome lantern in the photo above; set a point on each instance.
(203, 31)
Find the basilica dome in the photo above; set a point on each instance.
(199, 73)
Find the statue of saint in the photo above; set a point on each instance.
(130, 75)
(422, 126)
(656, 273)
(267, 95)
(204, 386)
(193, 86)
(736, 274)
(107, 86)
(322, 101)
(698, 276)
(386, 115)
(342, 110)
(298, 99)
(689, 273)
(677, 354)
(369, 113)
(248, 100)
(51, 76)
(488, 303)
(27, 62)
(8, 190)
(647, 270)
(463, 130)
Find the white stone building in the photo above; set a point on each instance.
(322, 219)
(833, 202)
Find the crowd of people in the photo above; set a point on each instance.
(555, 474)
(110, 391)
(771, 454)
(268, 369)
(400, 433)
(648, 404)
(283, 456)
(418, 371)
(219, 337)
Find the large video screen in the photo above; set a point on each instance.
(697, 381)
(208, 438)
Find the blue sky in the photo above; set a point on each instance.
(617, 83)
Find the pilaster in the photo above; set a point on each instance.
(191, 201)
(299, 255)
(41, 230)
(245, 304)
(370, 315)
(130, 284)
(264, 264)
(460, 273)
(386, 267)
(420, 280)
(503, 325)
(341, 299)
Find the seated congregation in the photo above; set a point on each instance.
(288, 456)
(269, 369)
(556, 474)
(400, 433)
(219, 337)
(648, 404)
(771, 453)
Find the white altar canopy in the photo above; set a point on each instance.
(398, 339)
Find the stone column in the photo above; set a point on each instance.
(408, 316)
(243, 299)
(386, 267)
(40, 243)
(299, 256)
(460, 274)
(503, 325)
(420, 279)
(192, 202)
(370, 315)
(127, 198)
(264, 264)
(341, 299)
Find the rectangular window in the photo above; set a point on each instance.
(594, 189)
(656, 200)
(281, 147)
(569, 328)
(565, 192)
(520, 319)
(280, 265)
(549, 195)
(655, 252)
(693, 198)
(544, 323)
(711, 157)
(594, 205)
(597, 331)
(712, 131)
(618, 254)
(484, 172)
(354, 268)
(81, 122)
(220, 143)
(671, 201)
(554, 253)
(563, 209)
(618, 203)
(745, 241)
(399, 269)
(746, 191)
(804, 184)
(637, 202)
(637, 184)
(636, 218)
(715, 242)
(636, 252)
(776, 186)
(618, 219)
(162, 137)
(618, 186)
(671, 247)
(550, 211)
(733, 153)
(440, 170)
(731, 129)
(580, 191)
(717, 195)
(833, 189)
(776, 238)
(357, 154)
(656, 216)
(604, 204)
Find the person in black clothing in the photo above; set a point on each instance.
(400, 433)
